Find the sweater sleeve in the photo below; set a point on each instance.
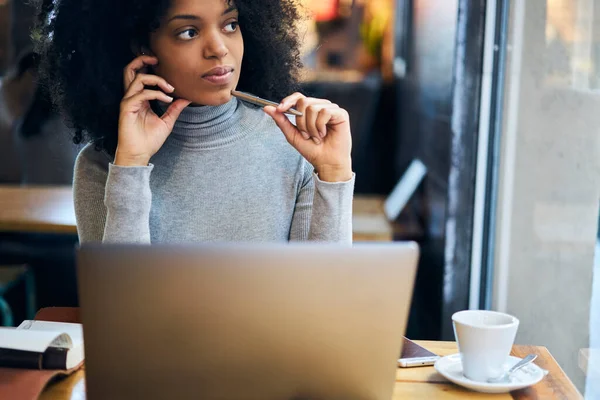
(323, 211)
(112, 203)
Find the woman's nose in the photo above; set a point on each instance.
(215, 47)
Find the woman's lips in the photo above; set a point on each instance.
(219, 75)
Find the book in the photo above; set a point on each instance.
(42, 345)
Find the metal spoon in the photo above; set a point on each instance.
(526, 361)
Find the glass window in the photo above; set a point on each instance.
(549, 188)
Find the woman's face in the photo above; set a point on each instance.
(199, 47)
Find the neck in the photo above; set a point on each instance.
(208, 126)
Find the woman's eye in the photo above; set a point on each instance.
(231, 27)
(187, 34)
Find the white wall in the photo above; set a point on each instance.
(549, 192)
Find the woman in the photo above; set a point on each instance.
(174, 157)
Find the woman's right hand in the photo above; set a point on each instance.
(141, 132)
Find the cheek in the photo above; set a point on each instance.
(172, 60)
(239, 49)
(173, 68)
(164, 72)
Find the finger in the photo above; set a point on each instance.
(291, 133)
(339, 116)
(290, 101)
(174, 110)
(311, 114)
(323, 118)
(303, 105)
(143, 80)
(133, 67)
(304, 134)
(145, 95)
(296, 100)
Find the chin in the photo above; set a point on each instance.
(213, 99)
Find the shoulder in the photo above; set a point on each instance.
(92, 158)
(91, 167)
(89, 184)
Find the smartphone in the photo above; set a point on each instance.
(414, 355)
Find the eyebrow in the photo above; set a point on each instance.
(192, 17)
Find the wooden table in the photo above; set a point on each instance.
(426, 383)
(369, 222)
(412, 383)
(36, 209)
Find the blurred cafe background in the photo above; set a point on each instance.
(482, 117)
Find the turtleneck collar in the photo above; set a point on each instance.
(208, 127)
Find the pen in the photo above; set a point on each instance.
(262, 102)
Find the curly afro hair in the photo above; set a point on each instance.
(86, 44)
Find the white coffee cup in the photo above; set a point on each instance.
(485, 339)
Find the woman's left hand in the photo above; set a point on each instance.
(322, 135)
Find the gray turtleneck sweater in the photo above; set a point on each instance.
(225, 173)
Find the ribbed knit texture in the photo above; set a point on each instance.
(225, 173)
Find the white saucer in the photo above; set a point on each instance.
(450, 367)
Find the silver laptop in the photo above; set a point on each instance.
(298, 321)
